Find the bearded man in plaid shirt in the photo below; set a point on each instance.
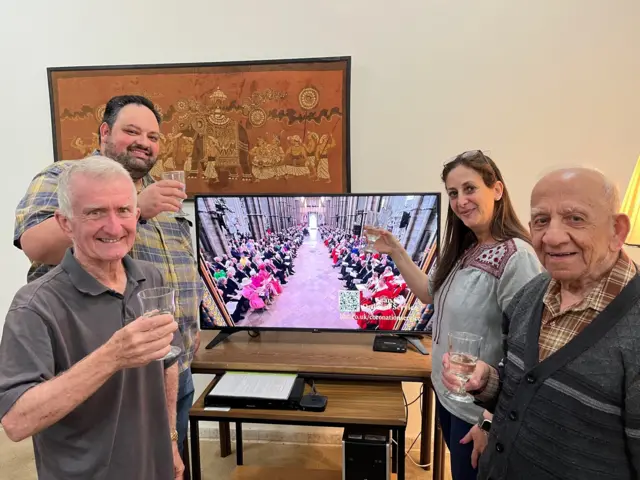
(130, 135)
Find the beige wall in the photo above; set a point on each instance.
(536, 83)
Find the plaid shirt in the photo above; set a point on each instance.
(559, 327)
(164, 241)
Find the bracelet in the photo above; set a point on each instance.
(174, 435)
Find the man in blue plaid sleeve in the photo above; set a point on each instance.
(130, 135)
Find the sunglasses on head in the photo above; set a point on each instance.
(469, 155)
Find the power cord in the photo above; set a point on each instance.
(406, 409)
(314, 392)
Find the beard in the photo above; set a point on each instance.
(137, 167)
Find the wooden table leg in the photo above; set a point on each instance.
(239, 456)
(401, 434)
(195, 451)
(394, 451)
(427, 424)
(225, 439)
(438, 453)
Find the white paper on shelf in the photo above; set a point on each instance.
(274, 386)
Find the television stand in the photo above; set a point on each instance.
(221, 337)
(416, 341)
(225, 333)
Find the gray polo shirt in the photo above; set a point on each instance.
(122, 430)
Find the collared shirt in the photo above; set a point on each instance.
(559, 327)
(122, 429)
(163, 240)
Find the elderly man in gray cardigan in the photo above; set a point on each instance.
(566, 396)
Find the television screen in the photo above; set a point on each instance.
(304, 263)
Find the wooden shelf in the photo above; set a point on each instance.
(364, 403)
(307, 352)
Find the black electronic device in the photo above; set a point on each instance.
(390, 343)
(366, 453)
(291, 403)
(313, 403)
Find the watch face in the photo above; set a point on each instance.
(486, 425)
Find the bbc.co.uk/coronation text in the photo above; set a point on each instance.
(372, 318)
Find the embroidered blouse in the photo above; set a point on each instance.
(472, 299)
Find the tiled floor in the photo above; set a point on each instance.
(16, 460)
(310, 296)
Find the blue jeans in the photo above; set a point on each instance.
(185, 401)
(453, 430)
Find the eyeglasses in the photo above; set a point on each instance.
(469, 155)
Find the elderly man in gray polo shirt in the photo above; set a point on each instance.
(79, 363)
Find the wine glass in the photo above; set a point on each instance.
(378, 220)
(159, 301)
(177, 175)
(464, 349)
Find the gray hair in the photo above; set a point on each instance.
(96, 167)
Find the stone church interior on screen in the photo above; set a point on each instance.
(288, 262)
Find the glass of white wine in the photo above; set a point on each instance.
(177, 175)
(378, 220)
(160, 301)
(464, 349)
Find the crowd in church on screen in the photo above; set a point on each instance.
(383, 291)
(253, 275)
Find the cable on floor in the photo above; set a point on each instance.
(406, 410)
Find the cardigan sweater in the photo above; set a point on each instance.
(576, 414)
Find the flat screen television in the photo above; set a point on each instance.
(302, 262)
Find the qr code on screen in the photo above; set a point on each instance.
(349, 301)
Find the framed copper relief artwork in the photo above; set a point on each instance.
(272, 126)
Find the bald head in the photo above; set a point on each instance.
(592, 182)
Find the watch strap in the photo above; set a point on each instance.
(485, 425)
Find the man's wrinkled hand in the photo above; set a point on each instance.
(478, 379)
(142, 341)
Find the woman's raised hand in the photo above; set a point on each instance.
(386, 241)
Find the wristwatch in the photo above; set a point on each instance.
(174, 435)
(484, 424)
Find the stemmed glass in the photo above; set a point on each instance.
(159, 301)
(177, 175)
(378, 220)
(464, 349)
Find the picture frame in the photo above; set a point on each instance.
(237, 127)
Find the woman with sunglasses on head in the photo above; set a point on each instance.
(486, 258)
